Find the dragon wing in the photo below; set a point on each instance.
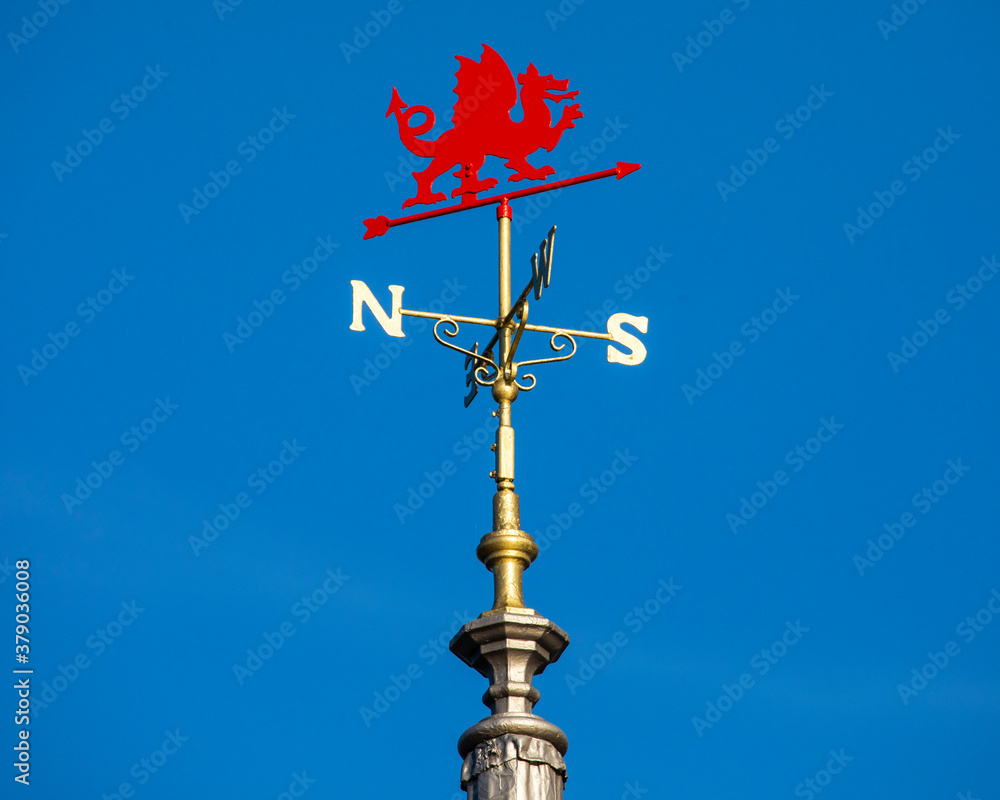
(489, 75)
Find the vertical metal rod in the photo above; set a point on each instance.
(503, 219)
(506, 551)
(507, 393)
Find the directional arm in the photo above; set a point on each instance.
(377, 226)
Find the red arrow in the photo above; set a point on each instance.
(380, 224)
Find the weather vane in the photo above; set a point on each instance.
(512, 753)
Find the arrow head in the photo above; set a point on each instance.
(623, 168)
(396, 104)
(376, 226)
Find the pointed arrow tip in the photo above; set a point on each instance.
(376, 226)
(623, 168)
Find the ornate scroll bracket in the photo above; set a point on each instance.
(484, 367)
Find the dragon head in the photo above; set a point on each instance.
(546, 85)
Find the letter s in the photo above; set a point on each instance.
(462, 451)
(129, 441)
(794, 461)
(577, 160)
(808, 795)
(922, 504)
(759, 664)
(782, 126)
(88, 314)
(965, 632)
(256, 482)
(638, 354)
(426, 652)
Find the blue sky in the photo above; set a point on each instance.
(772, 543)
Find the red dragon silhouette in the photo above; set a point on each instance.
(482, 126)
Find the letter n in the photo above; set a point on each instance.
(363, 297)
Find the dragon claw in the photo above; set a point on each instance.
(535, 174)
(474, 187)
(425, 199)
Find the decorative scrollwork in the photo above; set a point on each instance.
(481, 372)
(555, 347)
(451, 334)
(530, 386)
(485, 371)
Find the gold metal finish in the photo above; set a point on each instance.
(503, 218)
(506, 550)
(456, 317)
(569, 331)
(493, 323)
(483, 359)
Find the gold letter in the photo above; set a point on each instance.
(363, 296)
(638, 354)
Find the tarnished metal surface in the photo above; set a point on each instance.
(509, 647)
(514, 767)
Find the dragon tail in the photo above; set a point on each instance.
(408, 134)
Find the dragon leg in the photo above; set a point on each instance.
(425, 182)
(471, 182)
(522, 169)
